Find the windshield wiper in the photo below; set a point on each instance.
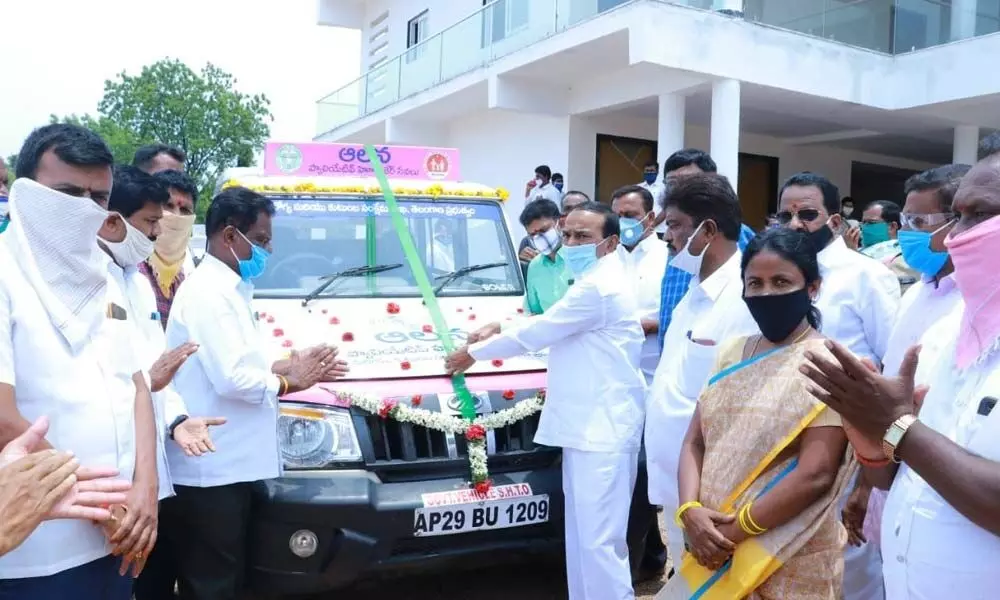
(449, 277)
(352, 272)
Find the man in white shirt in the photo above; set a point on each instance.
(540, 186)
(171, 260)
(927, 219)
(229, 376)
(650, 176)
(703, 227)
(66, 353)
(593, 407)
(859, 300)
(139, 200)
(941, 525)
(647, 259)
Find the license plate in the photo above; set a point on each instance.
(496, 514)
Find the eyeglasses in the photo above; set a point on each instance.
(915, 221)
(806, 215)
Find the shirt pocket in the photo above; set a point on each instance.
(696, 367)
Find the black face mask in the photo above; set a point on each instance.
(821, 237)
(779, 315)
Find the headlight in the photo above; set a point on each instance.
(311, 437)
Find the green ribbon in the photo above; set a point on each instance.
(466, 405)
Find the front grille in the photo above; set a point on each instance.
(392, 440)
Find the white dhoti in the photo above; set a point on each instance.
(598, 490)
(862, 566)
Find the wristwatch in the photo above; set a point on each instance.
(173, 426)
(894, 436)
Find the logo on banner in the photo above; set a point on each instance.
(288, 158)
(436, 165)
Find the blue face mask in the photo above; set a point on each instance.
(649, 178)
(917, 252)
(631, 230)
(580, 259)
(558, 185)
(253, 267)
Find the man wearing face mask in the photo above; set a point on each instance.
(541, 186)
(936, 421)
(558, 182)
(137, 201)
(67, 352)
(879, 235)
(927, 219)
(650, 176)
(229, 376)
(593, 407)
(859, 301)
(547, 277)
(171, 260)
(703, 219)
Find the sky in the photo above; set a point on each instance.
(58, 53)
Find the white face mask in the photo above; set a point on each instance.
(134, 249)
(687, 262)
(546, 242)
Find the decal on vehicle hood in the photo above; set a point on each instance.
(384, 338)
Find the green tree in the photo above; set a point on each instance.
(201, 113)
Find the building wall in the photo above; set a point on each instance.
(502, 148)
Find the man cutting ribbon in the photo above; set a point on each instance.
(594, 404)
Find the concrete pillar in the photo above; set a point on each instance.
(965, 145)
(670, 127)
(963, 19)
(725, 133)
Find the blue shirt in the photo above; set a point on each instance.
(676, 282)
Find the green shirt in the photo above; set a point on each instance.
(546, 282)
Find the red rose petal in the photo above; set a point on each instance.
(520, 311)
(278, 332)
(472, 317)
(261, 314)
(270, 319)
(334, 321)
(497, 362)
(347, 337)
(287, 343)
(508, 394)
(427, 329)
(324, 311)
(416, 399)
(405, 365)
(392, 308)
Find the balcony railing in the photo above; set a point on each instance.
(505, 26)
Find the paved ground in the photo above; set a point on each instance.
(529, 582)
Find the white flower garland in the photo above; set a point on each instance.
(474, 431)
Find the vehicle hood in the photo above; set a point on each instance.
(386, 338)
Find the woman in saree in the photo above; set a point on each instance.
(763, 463)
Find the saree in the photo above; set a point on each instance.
(753, 412)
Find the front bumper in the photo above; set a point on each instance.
(365, 526)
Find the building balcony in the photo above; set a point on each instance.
(506, 26)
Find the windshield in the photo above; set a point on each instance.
(318, 239)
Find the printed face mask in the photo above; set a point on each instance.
(547, 241)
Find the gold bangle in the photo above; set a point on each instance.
(283, 385)
(753, 524)
(683, 509)
(746, 521)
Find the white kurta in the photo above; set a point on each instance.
(711, 311)
(594, 411)
(931, 550)
(648, 261)
(858, 301)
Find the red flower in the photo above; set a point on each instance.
(427, 329)
(278, 332)
(483, 487)
(472, 317)
(287, 343)
(520, 311)
(475, 432)
(387, 407)
(270, 319)
(416, 399)
(508, 394)
(334, 321)
(497, 362)
(261, 314)
(405, 365)
(392, 308)
(347, 337)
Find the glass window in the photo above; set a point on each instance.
(315, 238)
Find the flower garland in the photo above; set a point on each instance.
(434, 190)
(474, 431)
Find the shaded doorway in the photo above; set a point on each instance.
(619, 163)
(870, 182)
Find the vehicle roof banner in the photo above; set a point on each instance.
(318, 159)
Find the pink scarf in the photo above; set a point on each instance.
(974, 253)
